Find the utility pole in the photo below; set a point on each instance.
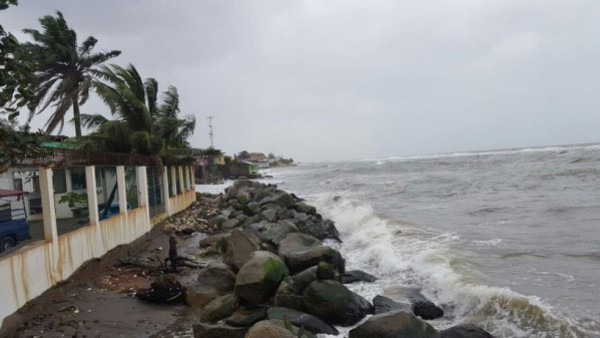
(210, 133)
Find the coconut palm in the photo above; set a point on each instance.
(65, 71)
(142, 125)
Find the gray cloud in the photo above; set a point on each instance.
(359, 79)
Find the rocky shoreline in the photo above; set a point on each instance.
(250, 262)
(277, 279)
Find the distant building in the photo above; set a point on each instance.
(259, 159)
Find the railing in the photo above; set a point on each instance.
(29, 271)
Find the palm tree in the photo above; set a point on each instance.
(65, 71)
(142, 125)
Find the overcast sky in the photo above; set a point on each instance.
(352, 79)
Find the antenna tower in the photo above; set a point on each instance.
(210, 133)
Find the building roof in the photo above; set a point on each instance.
(257, 157)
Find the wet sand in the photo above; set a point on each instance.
(99, 299)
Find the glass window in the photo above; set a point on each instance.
(60, 181)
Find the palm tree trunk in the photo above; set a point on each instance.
(76, 118)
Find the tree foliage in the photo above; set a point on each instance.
(64, 70)
(17, 83)
(20, 145)
(141, 124)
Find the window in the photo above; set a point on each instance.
(78, 178)
(60, 181)
(18, 184)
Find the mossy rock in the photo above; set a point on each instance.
(334, 303)
(258, 279)
(218, 309)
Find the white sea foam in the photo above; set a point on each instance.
(213, 188)
(402, 254)
(555, 149)
(489, 242)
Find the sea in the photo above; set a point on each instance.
(508, 240)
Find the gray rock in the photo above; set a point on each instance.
(230, 224)
(279, 197)
(316, 226)
(269, 215)
(302, 320)
(427, 309)
(383, 304)
(253, 208)
(204, 330)
(465, 331)
(218, 309)
(214, 239)
(272, 232)
(285, 214)
(218, 276)
(303, 278)
(301, 260)
(326, 271)
(243, 197)
(270, 329)
(288, 295)
(421, 306)
(239, 248)
(333, 302)
(354, 276)
(307, 209)
(247, 318)
(259, 277)
(218, 220)
(197, 296)
(395, 324)
(294, 242)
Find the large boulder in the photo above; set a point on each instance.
(239, 248)
(270, 329)
(395, 324)
(197, 296)
(291, 288)
(218, 309)
(280, 198)
(259, 277)
(465, 331)
(243, 197)
(302, 320)
(218, 276)
(252, 208)
(288, 295)
(247, 318)
(316, 226)
(327, 271)
(301, 260)
(421, 306)
(269, 215)
(216, 240)
(334, 303)
(306, 209)
(204, 330)
(303, 278)
(427, 309)
(272, 232)
(383, 304)
(354, 276)
(230, 224)
(295, 242)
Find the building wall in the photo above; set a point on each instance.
(33, 269)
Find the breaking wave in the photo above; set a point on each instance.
(407, 255)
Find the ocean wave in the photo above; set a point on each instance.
(551, 149)
(488, 242)
(403, 254)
